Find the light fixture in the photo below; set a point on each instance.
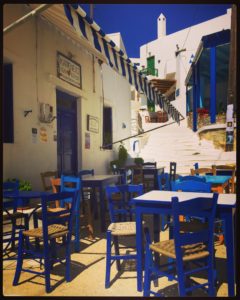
(124, 125)
(26, 112)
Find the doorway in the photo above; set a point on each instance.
(67, 162)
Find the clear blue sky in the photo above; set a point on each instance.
(137, 23)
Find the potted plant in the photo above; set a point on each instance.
(138, 161)
(122, 155)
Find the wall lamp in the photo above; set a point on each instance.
(26, 112)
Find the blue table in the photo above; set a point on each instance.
(218, 182)
(100, 182)
(159, 203)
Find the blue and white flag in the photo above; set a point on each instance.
(117, 59)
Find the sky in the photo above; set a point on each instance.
(137, 23)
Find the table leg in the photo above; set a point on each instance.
(229, 240)
(139, 249)
(102, 208)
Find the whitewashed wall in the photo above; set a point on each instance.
(164, 50)
(25, 158)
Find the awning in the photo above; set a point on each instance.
(85, 27)
(164, 85)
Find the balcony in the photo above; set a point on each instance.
(150, 71)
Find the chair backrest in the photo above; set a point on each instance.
(46, 179)
(191, 186)
(10, 186)
(128, 175)
(197, 207)
(85, 172)
(71, 184)
(137, 174)
(172, 171)
(164, 182)
(64, 217)
(149, 164)
(205, 171)
(190, 177)
(56, 184)
(115, 169)
(122, 205)
(226, 170)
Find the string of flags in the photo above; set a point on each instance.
(86, 28)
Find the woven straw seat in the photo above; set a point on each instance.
(54, 231)
(190, 252)
(123, 228)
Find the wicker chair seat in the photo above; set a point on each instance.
(123, 228)
(190, 252)
(54, 231)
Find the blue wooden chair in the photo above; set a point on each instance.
(54, 225)
(120, 207)
(190, 251)
(72, 184)
(10, 217)
(192, 185)
(190, 177)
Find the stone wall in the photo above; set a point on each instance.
(218, 137)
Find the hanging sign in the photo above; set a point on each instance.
(68, 70)
(230, 126)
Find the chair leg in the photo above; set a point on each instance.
(68, 261)
(211, 277)
(77, 229)
(108, 260)
(13, 234)
(19, 259)
(116, 246)
(181, 278)
(147, 273)
(47, 271)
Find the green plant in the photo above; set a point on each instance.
(138, 161)
(122, 155)
(24, 185)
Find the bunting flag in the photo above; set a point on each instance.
(117, 59)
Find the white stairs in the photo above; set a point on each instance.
(180, 144)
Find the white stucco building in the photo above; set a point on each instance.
(35, 54)
(162, 57)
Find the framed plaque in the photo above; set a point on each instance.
(68, 70)
(92, 124)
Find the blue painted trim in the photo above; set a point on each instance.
(213, 85)
(194, 99)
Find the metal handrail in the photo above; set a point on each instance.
(135, 135)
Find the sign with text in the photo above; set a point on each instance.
(68, 70)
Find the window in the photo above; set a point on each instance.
(107, 127)
(7, 112)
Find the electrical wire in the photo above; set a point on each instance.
(194, 15)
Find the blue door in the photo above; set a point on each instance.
(66, 134)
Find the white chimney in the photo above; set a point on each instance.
(161, 26)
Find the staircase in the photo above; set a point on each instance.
(180, 144)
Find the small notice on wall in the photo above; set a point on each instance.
(34, 135)
(43, 134)
(87, 140)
